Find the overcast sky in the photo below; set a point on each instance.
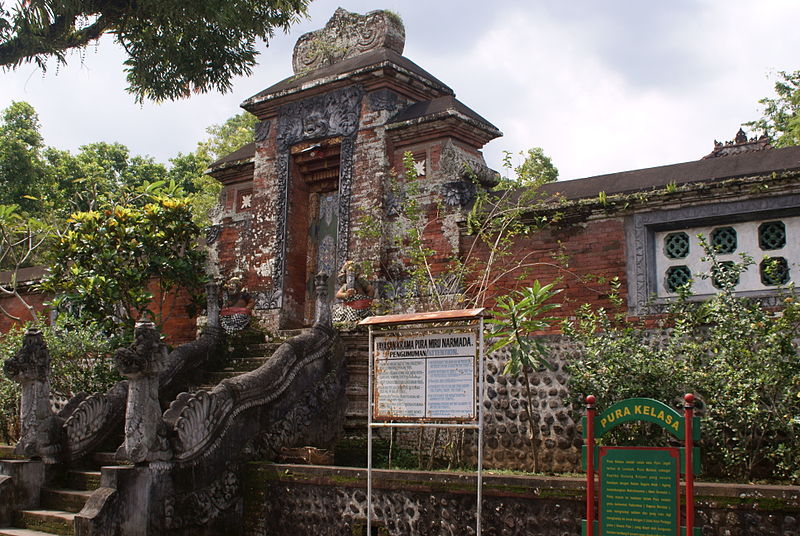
(602, 86)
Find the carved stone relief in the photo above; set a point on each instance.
(347, 35)
(456, 164)
(40, 428)
(459, 193)
(141, 364)
(262, 130)
(384, 99)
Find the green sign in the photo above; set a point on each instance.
(642, 409)
(639, 491)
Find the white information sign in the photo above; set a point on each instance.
(425, 376)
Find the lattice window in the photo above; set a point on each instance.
(723, 239)
(772, 235)
(676, 245)
(723, 273)
(677, 277)
(774, 271)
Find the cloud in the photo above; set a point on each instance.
(601, 86)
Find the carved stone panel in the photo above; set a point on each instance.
(347, 35)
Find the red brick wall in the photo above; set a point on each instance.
(14, 307)
(180, 325)
(591, 250)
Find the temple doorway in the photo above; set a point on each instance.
(315, 202)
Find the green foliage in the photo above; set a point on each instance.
(740, 358)
(80, 362)
(105, 259)
(175, 48)
(234, 133)
(189, 169)
(22, 172)
(535, 170)
(781, 114)
(50, 184)
(517, 317)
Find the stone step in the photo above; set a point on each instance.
(244, 364)
(52, 521)
(83, 480)
(215, 377)
(7, 453)
(263, 349)
(68, 500)
(105, 458)
(8, 531)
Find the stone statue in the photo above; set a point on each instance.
(141, 364)
(40, 434)
(236, 314)
(355, 293)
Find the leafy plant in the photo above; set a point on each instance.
(739, 357)
(106, 260)
(781, 114)
(517, 317)
(174, 48)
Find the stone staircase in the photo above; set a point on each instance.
(254, 355)
(59, 504)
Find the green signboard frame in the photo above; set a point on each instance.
(642, 497)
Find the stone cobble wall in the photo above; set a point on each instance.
(288, 500)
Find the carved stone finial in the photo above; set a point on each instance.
(145, 438)
(143, 357)
(40, 428)
(212, 306)
(347, 35)
(32, 361)
(740, 144)
(322, 314)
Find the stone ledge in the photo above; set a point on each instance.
(765, 497)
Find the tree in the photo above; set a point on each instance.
(105, 261)
(517, 317)
(174, 47)
(781, 119)
(231, 135)
(22, 170)
(536, 169)
(189, 170)
(100, 173)
(739, 357)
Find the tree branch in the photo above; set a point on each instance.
(58, 37)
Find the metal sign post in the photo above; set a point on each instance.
(422, 374)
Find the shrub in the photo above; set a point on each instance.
(80, 360)
(738, 356)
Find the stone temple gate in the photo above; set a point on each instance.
(327, 144)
